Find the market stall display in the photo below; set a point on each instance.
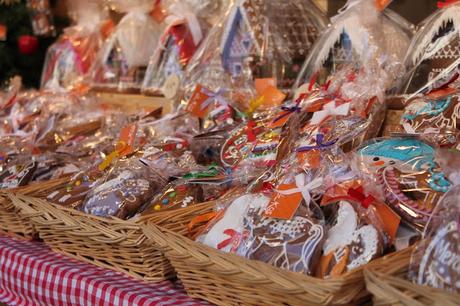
(270, 182)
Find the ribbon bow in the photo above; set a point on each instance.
(330, 109)
(358, 195)
(235, 239)
(213, 96)
(320, 144)
(288, 110)
(446, 3)
(303, 187)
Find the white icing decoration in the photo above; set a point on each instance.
(426, 48)
(345, 232)
(187, 201)
(342, 232)
(369, 238)
(233, 219)
(289, 231)
(65, 198)
(438, 251)
(53, 194)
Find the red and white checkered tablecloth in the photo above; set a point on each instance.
(31, 274)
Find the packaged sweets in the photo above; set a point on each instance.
(434, 54)
(435, 260)
(433, 118)
(123, 58)
(407, 174)
(70, 58)
(356, 232)
(17, 173)
(176, 195)
(73, 194)
(362, 36)
(258, 41)
(188, 23)
(123, 191)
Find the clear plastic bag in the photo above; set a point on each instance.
(288, 231)
(124, 189)
(188, 23)
(435, 260)
(257, 40)
(355, 234)
(433, 59)
(123, 59)
(178, 194)
(360, 36)
(434, 119)
(69, 59)
(404, 173)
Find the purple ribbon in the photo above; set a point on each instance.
(319, 144)
(289, 110)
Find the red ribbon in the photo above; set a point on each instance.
(446, 3)
(358, 195)
(250, 131)
(235, 240)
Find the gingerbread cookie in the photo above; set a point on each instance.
(435, 120)
(293, 244)
(18, 174)
(70, 196)
(350, 243)
(408, 174)
(120, 196)
(440, 264)
(176, 196)
(227, 232)
(435, 50)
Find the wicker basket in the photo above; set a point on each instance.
(393, 288)
(11, 222)
(227, 279)
(107, 242)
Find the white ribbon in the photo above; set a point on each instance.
(302, 187)
(179, 14)
(330, 109)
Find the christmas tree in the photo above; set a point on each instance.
(21, 53)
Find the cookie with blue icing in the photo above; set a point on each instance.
(411, 180)
(436, 120)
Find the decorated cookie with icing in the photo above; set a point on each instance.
(227, 233)
(240, 143)
(120, 196)
(176, 196)
(436, 120)
(435, 261)
(73, 194)
(293, 244)
(350, 242)
(18, 174)
(410, 178)
(435, 51)
(440, 265)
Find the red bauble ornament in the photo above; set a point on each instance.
(27, 44)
